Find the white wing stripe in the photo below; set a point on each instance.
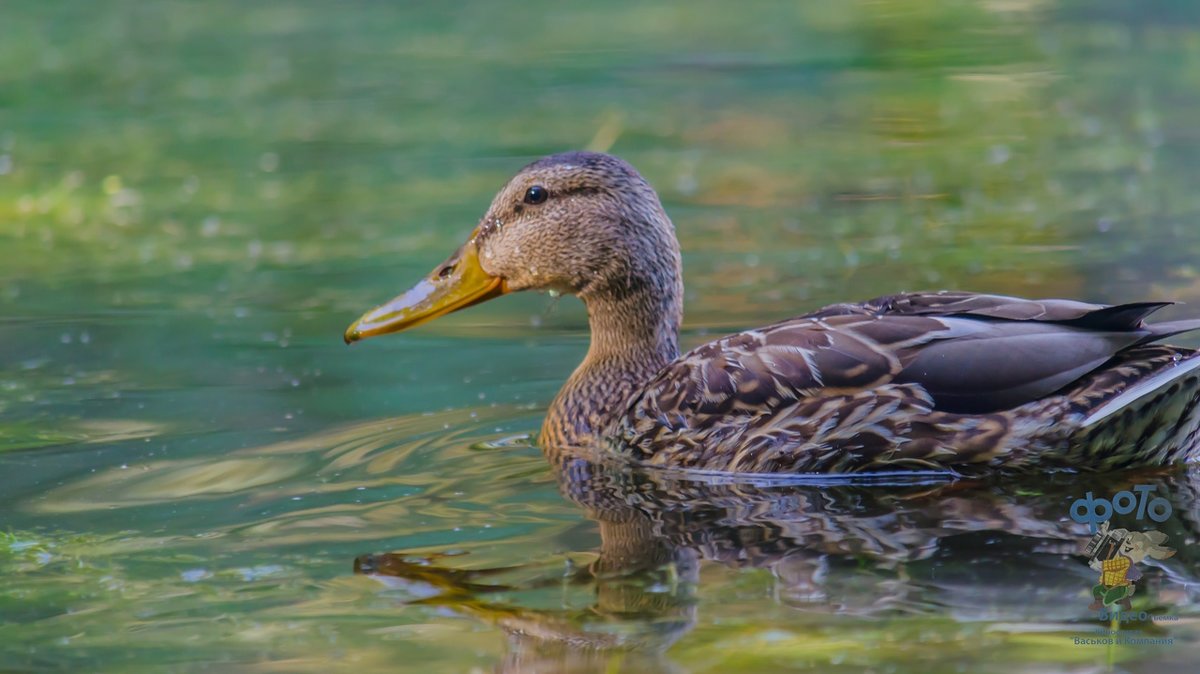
(1142, 388)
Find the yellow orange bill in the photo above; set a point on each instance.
(456, 284)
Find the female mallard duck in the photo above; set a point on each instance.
(947, 381)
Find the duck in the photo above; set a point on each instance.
(943, 381)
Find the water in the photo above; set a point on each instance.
(197, 199)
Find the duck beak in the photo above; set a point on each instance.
(456, 284)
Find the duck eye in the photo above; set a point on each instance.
(536, 194)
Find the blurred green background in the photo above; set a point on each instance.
(197, 197)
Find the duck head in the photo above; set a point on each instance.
(584, 223)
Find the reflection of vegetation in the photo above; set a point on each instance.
(941, 116)
(28, 435)
(83, 602)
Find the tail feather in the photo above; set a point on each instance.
(1170, 328)
(1119, 316)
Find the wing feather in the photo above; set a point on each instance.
(970, 353)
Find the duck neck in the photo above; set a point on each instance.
(634, 335)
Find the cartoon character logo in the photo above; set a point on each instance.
(1114, 552)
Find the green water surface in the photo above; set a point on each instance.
(196, 198)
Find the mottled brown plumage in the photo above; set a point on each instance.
(924, 381)
(940, 381)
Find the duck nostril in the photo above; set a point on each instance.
(445, 271)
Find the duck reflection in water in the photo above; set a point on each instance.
(856, 550)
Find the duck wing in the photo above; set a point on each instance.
(958, 353)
